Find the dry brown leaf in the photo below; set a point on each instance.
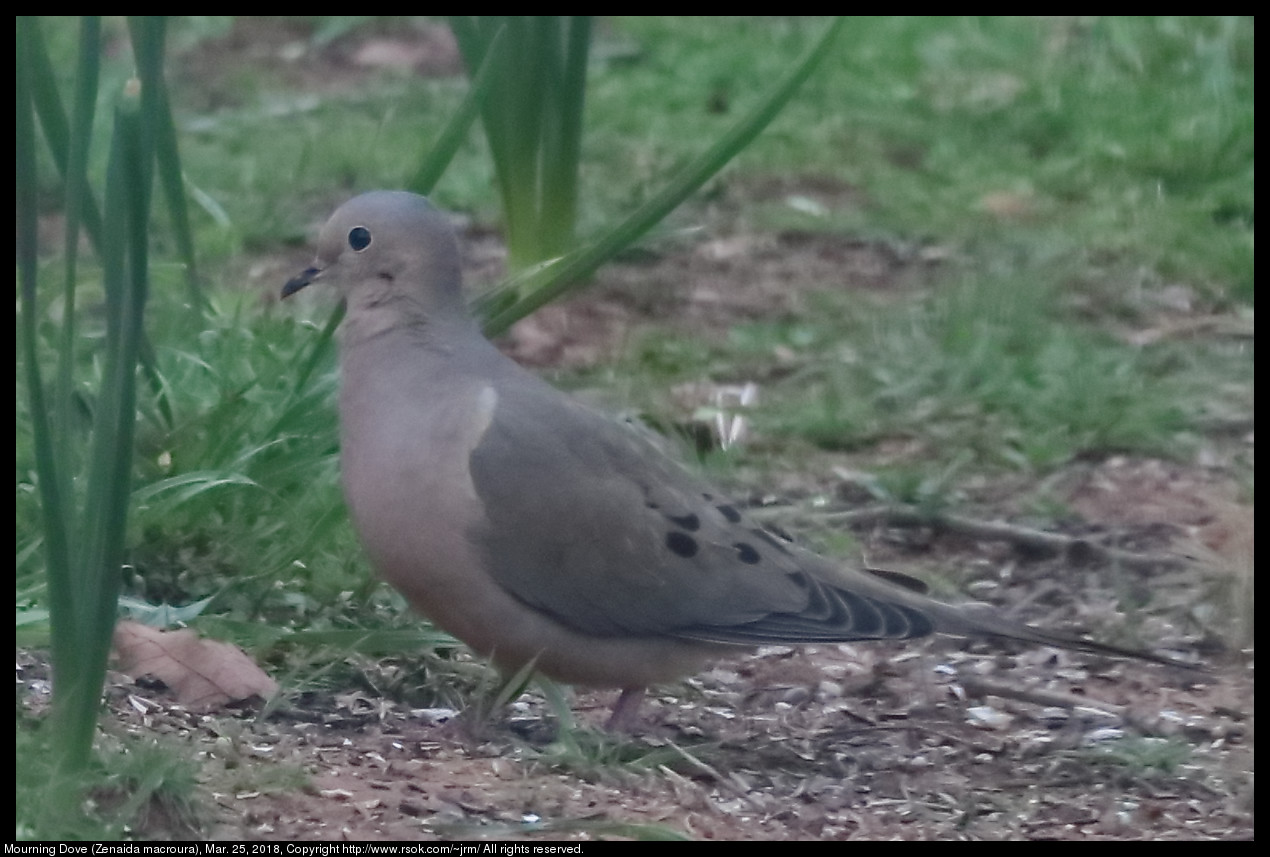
(204, 674)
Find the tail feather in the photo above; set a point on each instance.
(982, 620)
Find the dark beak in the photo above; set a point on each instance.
(294, 284)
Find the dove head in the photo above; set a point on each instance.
(391, 254)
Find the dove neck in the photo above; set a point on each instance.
(389, 314)
(399, 357)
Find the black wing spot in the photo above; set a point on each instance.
(747, 554)
(681, 544)
(689, 522)
(729, 512)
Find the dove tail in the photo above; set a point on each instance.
(981, 620)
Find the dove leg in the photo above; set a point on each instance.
(625, 710)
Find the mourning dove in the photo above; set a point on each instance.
(540, 532)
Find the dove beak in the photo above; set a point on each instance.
(305, 277)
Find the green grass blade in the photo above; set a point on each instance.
(512, 117)
(148, 35)
(176, 490)
(87, 74)
(468, 36)
(433, 164)
(48, 107)
(562, 150)
(50, 482)
(534, 132)
(321, 346)
(96, 570)
(553, 280)
(532, 115)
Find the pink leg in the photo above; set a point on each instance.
(625, 710)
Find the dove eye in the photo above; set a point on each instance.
(359, 238)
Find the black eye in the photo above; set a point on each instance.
(359, 238)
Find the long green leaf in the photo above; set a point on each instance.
(49, 481)
(42, 81)
(567, 273)
(187, 486)
(148, 34)
(96, 568)
(88, 68)
(433, 164)
(562, 151)
(532, 115)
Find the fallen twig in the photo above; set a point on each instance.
(1029, 538)
(1158, 724)
(983, 687)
